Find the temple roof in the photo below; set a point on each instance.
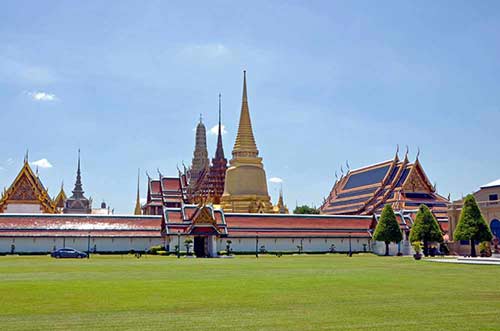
(72, 225)
(366, 190)
(27, 188)
(280, 225)
(61, 198)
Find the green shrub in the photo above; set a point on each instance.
(417, 247)
(485, 249)
(153, 250)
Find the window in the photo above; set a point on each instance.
(493, 197)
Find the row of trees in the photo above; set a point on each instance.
(471, 226)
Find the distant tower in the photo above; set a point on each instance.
(200, 163)
(280, 207)
(218, 168)
(245, 188)
(138, 210)
(78, 203)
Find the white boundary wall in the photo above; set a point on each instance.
(242, 244)
(101, 244)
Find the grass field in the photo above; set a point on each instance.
(287, 293)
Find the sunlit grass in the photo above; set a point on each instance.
(291, 292)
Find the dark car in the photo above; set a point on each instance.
(68, 252)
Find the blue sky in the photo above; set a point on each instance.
(328, 81)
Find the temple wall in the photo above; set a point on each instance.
(378, 247)
(290, 244)
(23, 208)
(47, 244)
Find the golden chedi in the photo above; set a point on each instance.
(245, 188)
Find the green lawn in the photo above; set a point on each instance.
(287, 293)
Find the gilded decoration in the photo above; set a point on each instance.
(27, 187)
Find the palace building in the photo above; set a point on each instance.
(488, 200)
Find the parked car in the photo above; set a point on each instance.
(68, 253)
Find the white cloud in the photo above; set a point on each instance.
(276, 180)
(213, 50)
(42, 163)
(42, 96)
(143, 201)
(1, 168)
(215, 130)
(10, 161)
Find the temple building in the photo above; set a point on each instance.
(27, 194)
(245, 187)
(280, 207)
(401, 183)
(217, 173)
(240, 188)
(78, 203)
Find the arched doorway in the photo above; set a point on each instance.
(495, 228)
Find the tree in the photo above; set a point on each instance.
(425, 228)
(471, 225)
(305, 209)
(387, 229)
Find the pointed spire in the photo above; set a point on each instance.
(78, 190)
(245, 142)
(219, 153)
(26, 156)
(138, 210)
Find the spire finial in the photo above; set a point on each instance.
(201, 118)
(397, 150)
(78, 160)
(219, 153)
(137, 210)
(245, 142)
(26, 156)
(219, 111)
(418, 153)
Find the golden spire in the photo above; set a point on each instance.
(245, 142)
(138, 210)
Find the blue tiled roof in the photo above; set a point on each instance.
(366, 177)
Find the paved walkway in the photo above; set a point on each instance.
(469, 260)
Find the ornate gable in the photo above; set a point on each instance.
(417, 180)
(204, 216)
(27, 189)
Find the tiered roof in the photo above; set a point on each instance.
(401, 183)
(165, 191)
